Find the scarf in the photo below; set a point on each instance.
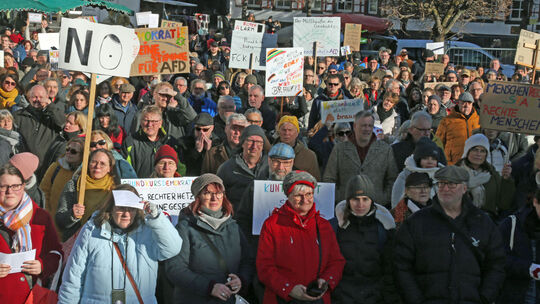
(383, 114)
(7, 99)
(95, 194)
(477, 179)
(18, 221)
(212, 218)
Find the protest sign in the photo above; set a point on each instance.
(153, 20)
(284, 72)
(525, 49)
(1, 59)
(434, 68)
(168, 23)
(97, 48)
(341, 110)
(164, 50)
(345, 50)
(323, 30)
(92, 19)
(54, 55)
(170, 194)
(511, 106)
(246, 26)
(433, 85)
(436, 47)
(143, 18)
(49, 41)
(268, 195)
(34, 18)
(352, 36)
(246, 42)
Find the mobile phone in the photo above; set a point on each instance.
(118, 296)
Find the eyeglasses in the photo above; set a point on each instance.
(450, 186)
(11, 83)
(420, 188)
(153, 122)
(202, 129)
(423, 130)
(254, 142)
(72, 151)
(208, 194)
(16, 187)
(101, 142)
(343, 133)
(333, 84)
(303, 196)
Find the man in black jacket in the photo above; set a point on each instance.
(450, 252)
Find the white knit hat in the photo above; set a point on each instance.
(476, 140)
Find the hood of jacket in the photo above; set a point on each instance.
(381, 214)
(410, 165)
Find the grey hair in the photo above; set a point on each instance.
(5, 114)
(297, 188)
(391, 82)
(51, 79)
(236, 117)
(420, 115)
(363, 114)
(257, 87)
(251, 111)
(198, 81)
(225, 99)
(180, 78)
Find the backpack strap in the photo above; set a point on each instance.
(55, 173)
(512, 231)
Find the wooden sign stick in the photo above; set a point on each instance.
(281, 109)
(315, 58)
(87, 139)
(536, 50)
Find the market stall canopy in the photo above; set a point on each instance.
(109, 6)
(171, 2)
(370, 23)
(58, 6)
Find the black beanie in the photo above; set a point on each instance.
(424, 148)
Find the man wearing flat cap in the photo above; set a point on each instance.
(123, 106)
(451, 251)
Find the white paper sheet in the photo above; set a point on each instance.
(16, 260)
(125, 198)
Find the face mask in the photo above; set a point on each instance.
(154, 82)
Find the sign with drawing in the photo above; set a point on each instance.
(284, 72)
(323, 30)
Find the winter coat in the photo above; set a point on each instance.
(390, 125)
(306, 160)
(454, 131)
(315, 112)
(288, 253)
(189, 154)
(437, 118)
(15, 286)
(236, 176)
(15, 140)
(524, 174)
(57, 149)
(94, 268)
(215, 157)
(122, 167)
(196, 269)
(519, 258)
(405, 148)
(53, 183)
(379, 165)
(365, 242)
(39, 128)
(204, 104)
(398, 190)
(125, 115)
(404, 209)
(438, 259)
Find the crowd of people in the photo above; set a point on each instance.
(430, 207)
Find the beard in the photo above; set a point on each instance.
(276, 176)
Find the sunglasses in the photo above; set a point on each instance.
(223, 88)
(343, 133)
(202, 129)
(72, 151)
(101, 142)
(333, 84)
(12, 83)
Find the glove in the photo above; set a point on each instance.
(152, 210)
(534, 271)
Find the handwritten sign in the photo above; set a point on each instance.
(511, 106)
(345, 50)
(436, 47)
(163, 50)
(335, 111)
(246, 41)
(170, 194)
(323, 30)
(34, 18)
(284, 72)
(525, 55)
(97, 48)
(54, 56)
(168, 23)
(434, 68)
(143, 18)
(353, 36)
(433, 85)
(268, 195)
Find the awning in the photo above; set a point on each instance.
(370, 23)
(171, 2)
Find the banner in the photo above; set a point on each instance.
(268, 195)
(284, 72)
(353, 36)
(97, 48)
(433, 85)
(436, 47)
(247, 40)
(163, 50)
(341, 110)
(170, 194)
(511, 106)
(323, 30)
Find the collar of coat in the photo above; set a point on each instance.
(301, 222)
(381, 214)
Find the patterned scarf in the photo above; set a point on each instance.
(18, 221)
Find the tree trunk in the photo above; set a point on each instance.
(308, 8)
(438, 34)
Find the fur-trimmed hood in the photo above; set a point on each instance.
(381, 214)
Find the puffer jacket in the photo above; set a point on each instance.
(438, 259)
(196, 269)
(94, 268)
(454, 131)
(365, 242)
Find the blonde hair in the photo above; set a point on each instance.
(80, 120)
(105, 137)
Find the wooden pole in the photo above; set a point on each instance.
(536, 50)
(87, 139)
(281, 109)
(315, 58)
(510, 144)
(251, 62)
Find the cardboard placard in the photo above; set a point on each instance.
(434, 84)
(34, 17)
(512, 107)
(323, 30)
(170, 194)
(246, 41)
(168, 23)
(164, 50)
(49, 41)
(284, 72)
(434, 68)
(353, 36)
(268, 195)
(54, 56)
(97, 48)
(525, 55)
(436, 47)
(341, 110)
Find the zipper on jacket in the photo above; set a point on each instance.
(453, 241)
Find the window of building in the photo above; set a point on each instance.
(373, 6)
(516, 10)
(286, 4)
(344, 5)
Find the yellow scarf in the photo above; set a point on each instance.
(95, 194)
(7, 99)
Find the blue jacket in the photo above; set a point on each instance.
(88, 273)
(125, 117)
(204, 104)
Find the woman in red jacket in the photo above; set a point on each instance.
(24, 227)
(298, 247)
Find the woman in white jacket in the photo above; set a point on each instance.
(386, 117)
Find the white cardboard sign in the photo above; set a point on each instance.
(323, 30)
(97, 48)
(268, 195)
(49, 41)
(143, 18)
(1, 59)
(284, 72)
(336, 111)
(247, 40)
(153, 21)
(436, 47)
(34, 18)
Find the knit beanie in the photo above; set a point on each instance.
(360, 185)
(298, 177)
(418, 178)
(424, 148)
(251, 79)
(290, 119)
(219, 75)
(204, 180)
(473, 141)
(26, 162)
(165, 151)
(252, 130)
